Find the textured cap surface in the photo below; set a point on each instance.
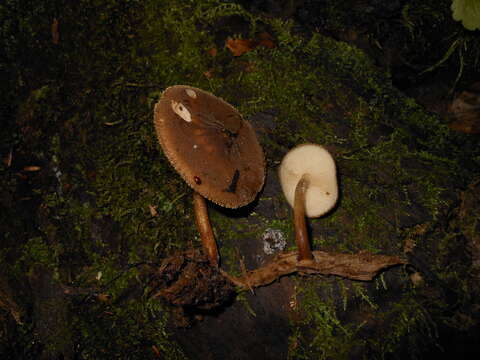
(210, 145)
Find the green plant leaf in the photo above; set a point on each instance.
(468, 12)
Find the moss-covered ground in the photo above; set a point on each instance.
(88, 198)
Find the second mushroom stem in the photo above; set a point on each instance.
(299, 220)
(205, 228)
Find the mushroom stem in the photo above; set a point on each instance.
(301, 234)
(205, 228)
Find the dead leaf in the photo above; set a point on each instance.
(112, 123)
(417, 279)
(7, 160)
(32, 168)
(55, 33)
(103, 297)
(240, 46)
(156, 351)
(212, 52)
(465, 110)
(153, 210)
(466, 125)
(208, 74)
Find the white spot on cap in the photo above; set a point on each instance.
(191, 93)
(180, 109)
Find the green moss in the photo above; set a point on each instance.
(328, 337)
(107, 200)
(403, 328)
(407, 323)
(37, 252)
(137, 327)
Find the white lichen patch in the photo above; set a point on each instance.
(180, 109)
(191, 93)
(273, 241)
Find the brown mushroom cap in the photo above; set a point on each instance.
(209, 143)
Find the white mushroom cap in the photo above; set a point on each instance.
(318, 166)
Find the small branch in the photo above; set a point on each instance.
(361, 266)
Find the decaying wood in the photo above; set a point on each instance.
(188, 279)
(361, 266)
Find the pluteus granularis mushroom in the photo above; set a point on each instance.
(309, 181)
(213, 148)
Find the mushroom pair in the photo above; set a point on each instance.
(309, 181)
(215, 151)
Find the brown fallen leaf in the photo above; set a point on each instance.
(104, 297)
(465, 110)
(156, 351)
(153, 210)
(55, 32)
(466, 125)
(417, 279)
(32, 168)
(7, 160)
(112, 123)
(212, 52)
(240, 46)
(208, 74)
